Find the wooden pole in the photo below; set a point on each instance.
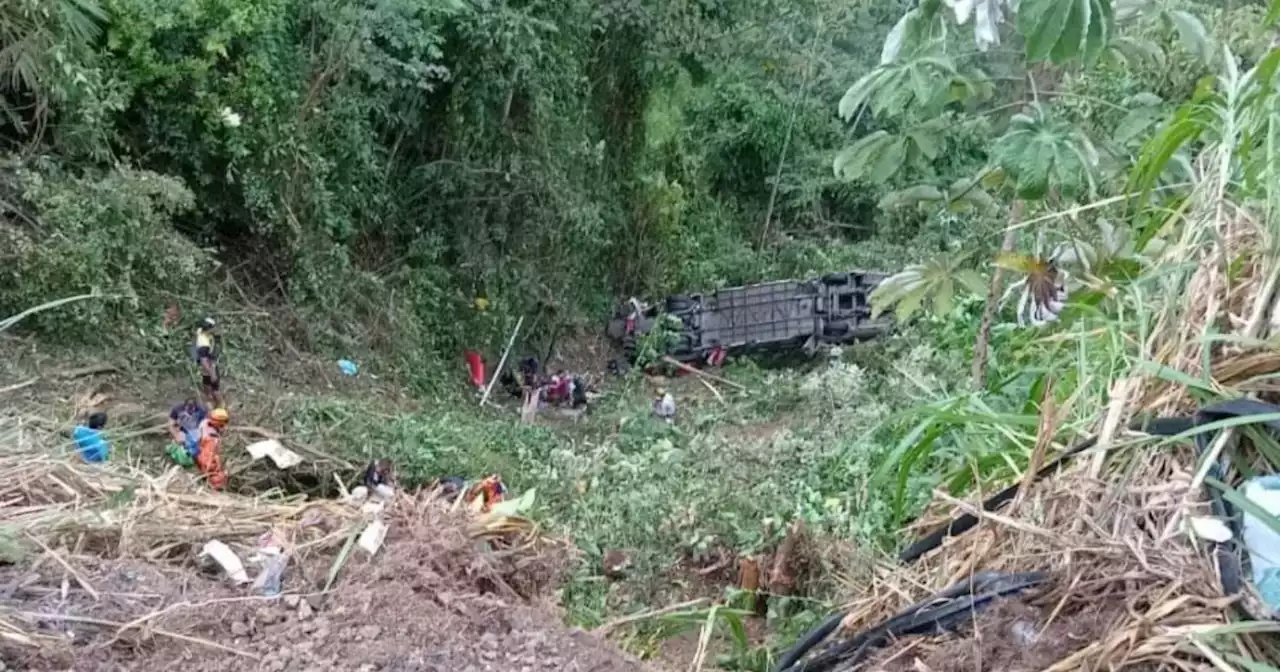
(685, 367)
(501, 362)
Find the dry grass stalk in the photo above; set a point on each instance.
(1132, 550)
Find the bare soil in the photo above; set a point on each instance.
(432, 599)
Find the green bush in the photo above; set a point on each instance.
(107, 232)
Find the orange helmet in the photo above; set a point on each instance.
(219, 416)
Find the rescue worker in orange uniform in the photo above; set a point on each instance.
(209, 457)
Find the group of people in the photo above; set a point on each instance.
(561, 388)
(196, 431)
(197, 439)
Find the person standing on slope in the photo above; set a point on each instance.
(207, 358)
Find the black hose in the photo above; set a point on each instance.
(1228, 559)
(810, 640)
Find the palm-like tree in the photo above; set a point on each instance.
(31, 32)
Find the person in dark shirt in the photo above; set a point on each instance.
(184, 424)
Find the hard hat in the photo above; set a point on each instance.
(220, 416)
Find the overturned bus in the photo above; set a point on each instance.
(766, 317)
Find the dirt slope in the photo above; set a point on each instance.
(430, 600)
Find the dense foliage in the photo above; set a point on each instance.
(377, 166)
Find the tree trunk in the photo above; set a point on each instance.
(980, 346)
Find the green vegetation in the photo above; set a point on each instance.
(1043, 183)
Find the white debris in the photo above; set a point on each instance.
(665, 407)
(372, 537)
(1212, 529)
(281, 456)
(227, 559)
(230, 119)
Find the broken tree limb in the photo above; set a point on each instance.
(714, 391)
(653, 613)
(71, 374)
(703, 374)
(18, 386)
(510, 342)
(782, 577)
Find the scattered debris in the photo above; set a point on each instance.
(282, 457)
(616, 563)
(348, 367)
(372, 537)
(268, 581)
(227, 559)
(664, 405)
(475, 364)
(1261, 540)
(1212, 529)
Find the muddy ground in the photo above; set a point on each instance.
(432, 599)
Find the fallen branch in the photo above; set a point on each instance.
(510, 342)
(62, 375)
(155, 631)
(18, 386)
(72, 374)
(8, 322)
(652, 613)
(703, 374)
(84, 583)
(141, 620)
(714, 391)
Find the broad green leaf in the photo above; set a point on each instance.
(1063, 30)
(854, 162)
(934, 280)
(1138, 119)
(922, 193)
(1135, 51)
(1098, 31)
(1071, 40)
(926, 141)
(897, 36)
(1144, 99)
(513, 507)
(910, 303)
(1193, 35)
(971, 280)
(1040, 152)
(942, 298)
(1042, 23)
(1188, 123)
(972, 198)
(857, 95)
(888, 161)
(993, 178)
